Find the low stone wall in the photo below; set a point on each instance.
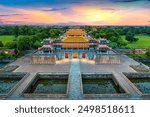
(53, 75)
(107, 59)
(12, 75)
(140, 68)
(137, 75)
(43, 59)
(9, 68)
(132, 51)
(97, 75)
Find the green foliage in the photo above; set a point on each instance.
(6, 38)
(32, 30)
(54, 33)
(33, 35)
(11, 45)
(131, 37)
(24, 43)
(121, 43)
(37, 44)
(143, 42)
(111, 34)
(1, 44)
(148, 53)
(4, 55)
(113, 44)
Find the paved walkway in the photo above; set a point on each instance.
(75, 78)
(22, 86)
(123, 81)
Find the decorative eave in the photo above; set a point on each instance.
(103, 47)
(46, 47)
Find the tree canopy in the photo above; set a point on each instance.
(1, 44)
(27, 37)
(131, 37)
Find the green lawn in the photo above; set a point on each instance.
(6, 38)
(143, 42)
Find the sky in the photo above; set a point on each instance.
(75, 12)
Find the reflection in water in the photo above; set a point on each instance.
(148, 64)
(100, 86)
(51, 86)
(7, 84)
(143, 84)
(3, 65)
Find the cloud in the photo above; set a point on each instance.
(54, 9)
(126, 0)
(76, 2)
(108, 8)
(74, 15)
(3, 15)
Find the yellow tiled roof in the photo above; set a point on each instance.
(75, 39)
(75, 32)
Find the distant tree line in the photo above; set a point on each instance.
(28, 37)
(49, 31)
(114, 33)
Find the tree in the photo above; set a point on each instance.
(11, 45)
(113, 44)
(121, 43)
(37, 44)
(130, 37)
(33, 39)
(1, 44)
(54, 33)
(4, 55)
(114, 38)
(148, 53)
(23, 43)
(16, 31)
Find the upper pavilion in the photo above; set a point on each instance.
(75, 38)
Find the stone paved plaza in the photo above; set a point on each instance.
(75, 67)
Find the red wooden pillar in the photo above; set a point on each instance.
(66, 55)
(83, 55)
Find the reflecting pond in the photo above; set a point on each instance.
(3, 64)
(148, 64)
(7, 84)
(50, 86)
(143, 84)
(100, 86)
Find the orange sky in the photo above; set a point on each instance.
(77, 14)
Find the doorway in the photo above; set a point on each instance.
(66, 55)
(83, 55)
(75, 55)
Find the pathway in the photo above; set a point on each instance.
(75, 84)
(22, 86)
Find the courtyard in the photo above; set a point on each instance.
(75, 68)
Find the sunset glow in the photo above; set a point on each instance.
(79, 13)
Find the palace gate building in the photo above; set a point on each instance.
(75, 43)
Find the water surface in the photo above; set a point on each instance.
(143, 84)
(49, 86)
(7, 84)
(100, 86)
